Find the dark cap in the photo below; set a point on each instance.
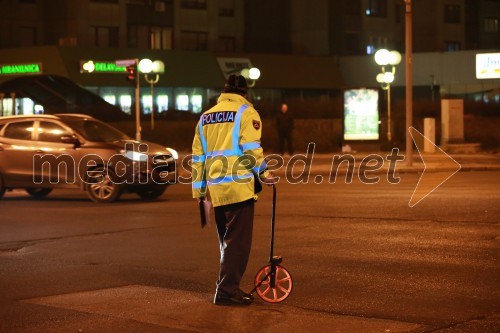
(236, 84)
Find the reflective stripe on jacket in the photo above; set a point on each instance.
(227, 151)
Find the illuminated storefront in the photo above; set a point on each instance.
(190, 81)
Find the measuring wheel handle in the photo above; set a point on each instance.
(273, 283)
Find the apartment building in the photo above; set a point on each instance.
(304, 49)
(216, 25)
(357, 27)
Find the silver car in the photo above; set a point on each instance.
(43, 152)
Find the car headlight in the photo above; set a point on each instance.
(174, 153)
(135, 156)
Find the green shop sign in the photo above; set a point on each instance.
(18, 69)
(90, 66)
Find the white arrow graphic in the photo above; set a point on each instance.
(429, 183)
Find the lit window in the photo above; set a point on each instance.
(160, 6)
(39, 109)
(376, 8)
(111, 99)
(28, 106)
(126, 103)
(7, 106)
(162, 101)
(490, 24)
(370, 49)
(161, 38)
(451, 46)
(147, 104)
(182, 103)
(196, 101)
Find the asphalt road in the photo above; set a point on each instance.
(357, 253)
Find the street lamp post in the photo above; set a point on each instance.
(146, 66)
(383, 58)
(137, 103)
(2, 95)
(409, 80)
(251, 74)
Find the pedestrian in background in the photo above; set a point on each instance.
(226, 136)
(284, 126)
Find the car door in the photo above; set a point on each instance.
(53, 160)
(16, 153)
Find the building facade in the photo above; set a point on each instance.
(216, 25)
(303, 51)
(356, 27)
(340, 27)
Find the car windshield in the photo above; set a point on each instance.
(97, 131)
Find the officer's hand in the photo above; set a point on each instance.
(269, 179)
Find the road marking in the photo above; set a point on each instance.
(428, 183)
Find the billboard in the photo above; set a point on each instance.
(488, 66)
(361, 115)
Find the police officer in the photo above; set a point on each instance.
(227, 160)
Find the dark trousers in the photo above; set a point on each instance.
(234, 228)
(286, 136)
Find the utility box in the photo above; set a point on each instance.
(452, 121)
(430, 135)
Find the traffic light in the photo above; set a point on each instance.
(132, 73)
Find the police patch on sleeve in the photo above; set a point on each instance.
(256, 124)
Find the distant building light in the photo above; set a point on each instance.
(370, 49)
(39, 109)
(111, 99)
(162, 103)
(126, 103)
(196, 102)
(147, 103)
(182, 102)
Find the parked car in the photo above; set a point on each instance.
(43, 152)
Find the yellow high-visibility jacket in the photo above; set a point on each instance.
(227, 151)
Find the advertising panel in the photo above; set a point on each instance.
(361, 116)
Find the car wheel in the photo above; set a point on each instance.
(150, 193)
(2, 187)
(102, 186)
(38, 192)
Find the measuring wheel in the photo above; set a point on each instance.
(273, 283)
(273, 287)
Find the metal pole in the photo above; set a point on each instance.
(13, 98)
(273, 218)
(152, 106)
(2, 95)
(152, 83)
(389, 135)
(409, 82)
(137, 103)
